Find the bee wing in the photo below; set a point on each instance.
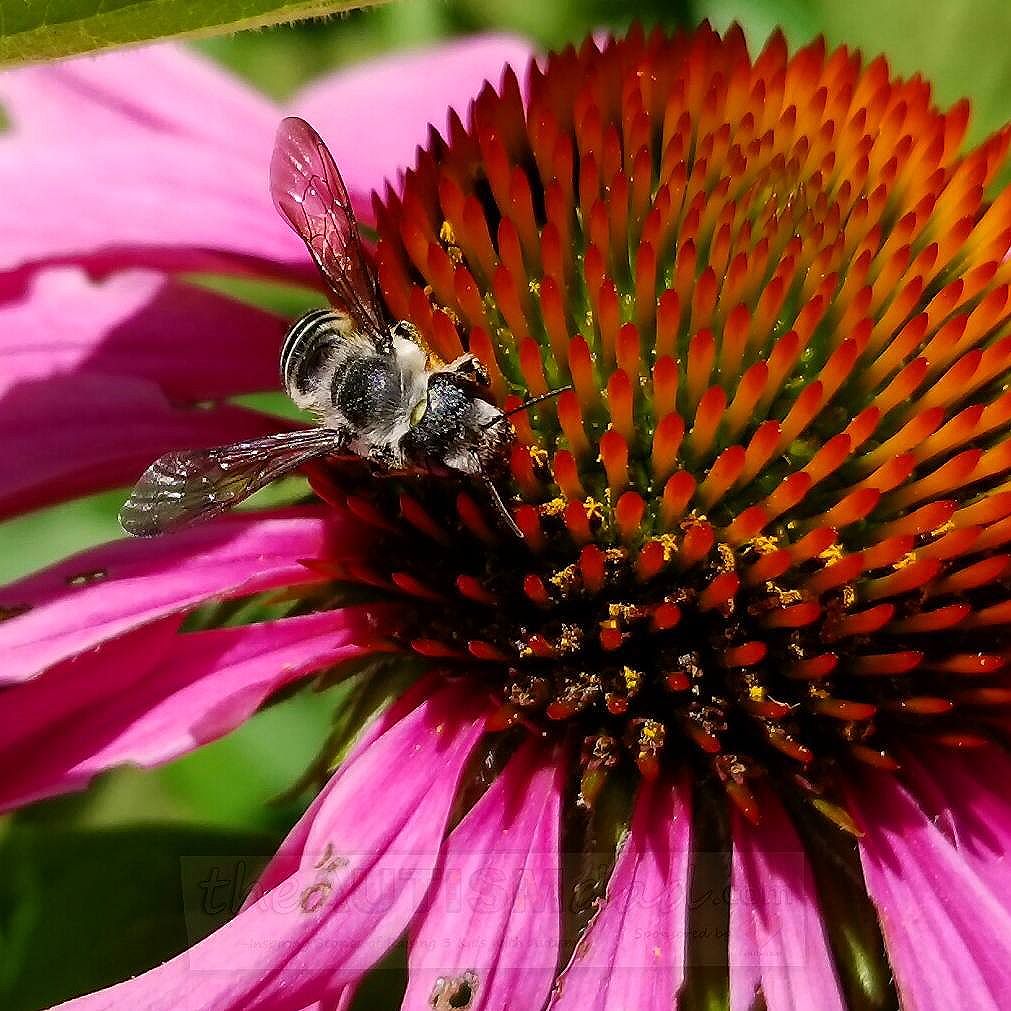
(181, 488)
(309, 193)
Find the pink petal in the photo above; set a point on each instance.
(95, 161)
(114, 200)
(99, 197)
(181, 93)
(948, 938)
(153, 695)
(633, 954)
(777, 939)
(966, 794)
(286, 860)
(339, 1003)
(493, 911)
(365, 869)
(102, 593)
(194, 344)
(77, 434)
(403, 92)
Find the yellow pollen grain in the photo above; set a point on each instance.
(652, 730)
(446, 233)
(539, 455)
(535, 287)
(566, 579)
(632, 678)
(668, 544)
(594, 509)
(630, 612)
(943, 529)
(727, 560)
(905, 561)
(570, 640)
(832, 553)
(694, 519)
(764, 545)
(756, 693)
(554, 507)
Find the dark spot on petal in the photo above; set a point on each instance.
(314, 896)
(454, 992)
(87, 578)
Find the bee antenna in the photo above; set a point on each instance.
(527, 404)
(501, 508)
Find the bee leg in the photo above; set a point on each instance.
(501, 508)
(383, 458)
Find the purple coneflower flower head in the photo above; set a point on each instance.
(755, 630)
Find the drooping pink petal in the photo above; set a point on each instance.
(777, 944)
(286, 860)
(73, 435)
(153, 695)
(948, 939)
(966, 795)
(100, 198)
(194, 344)
(365, 869)
(101, 593)
(113, 201)
(339, 1003)
(633, 954)
(162, 88)
(402, 93)
(491, 922)
(101, 170)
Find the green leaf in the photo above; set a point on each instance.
(46, 31)
(83, 908)
(850, 918)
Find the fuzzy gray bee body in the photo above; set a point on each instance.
(395, 411)
(332, 370)
(367, 382)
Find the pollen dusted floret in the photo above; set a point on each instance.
(766, 531)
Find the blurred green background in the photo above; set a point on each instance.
(94, 886)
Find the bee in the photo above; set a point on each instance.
(367, 381)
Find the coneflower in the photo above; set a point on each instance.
(759, 606)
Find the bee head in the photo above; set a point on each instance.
(456, 428)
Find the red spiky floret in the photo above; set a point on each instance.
(766, 530)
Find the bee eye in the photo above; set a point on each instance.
(418, 412)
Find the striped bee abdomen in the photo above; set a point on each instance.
(307, 348)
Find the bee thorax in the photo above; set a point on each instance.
(369, 392)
